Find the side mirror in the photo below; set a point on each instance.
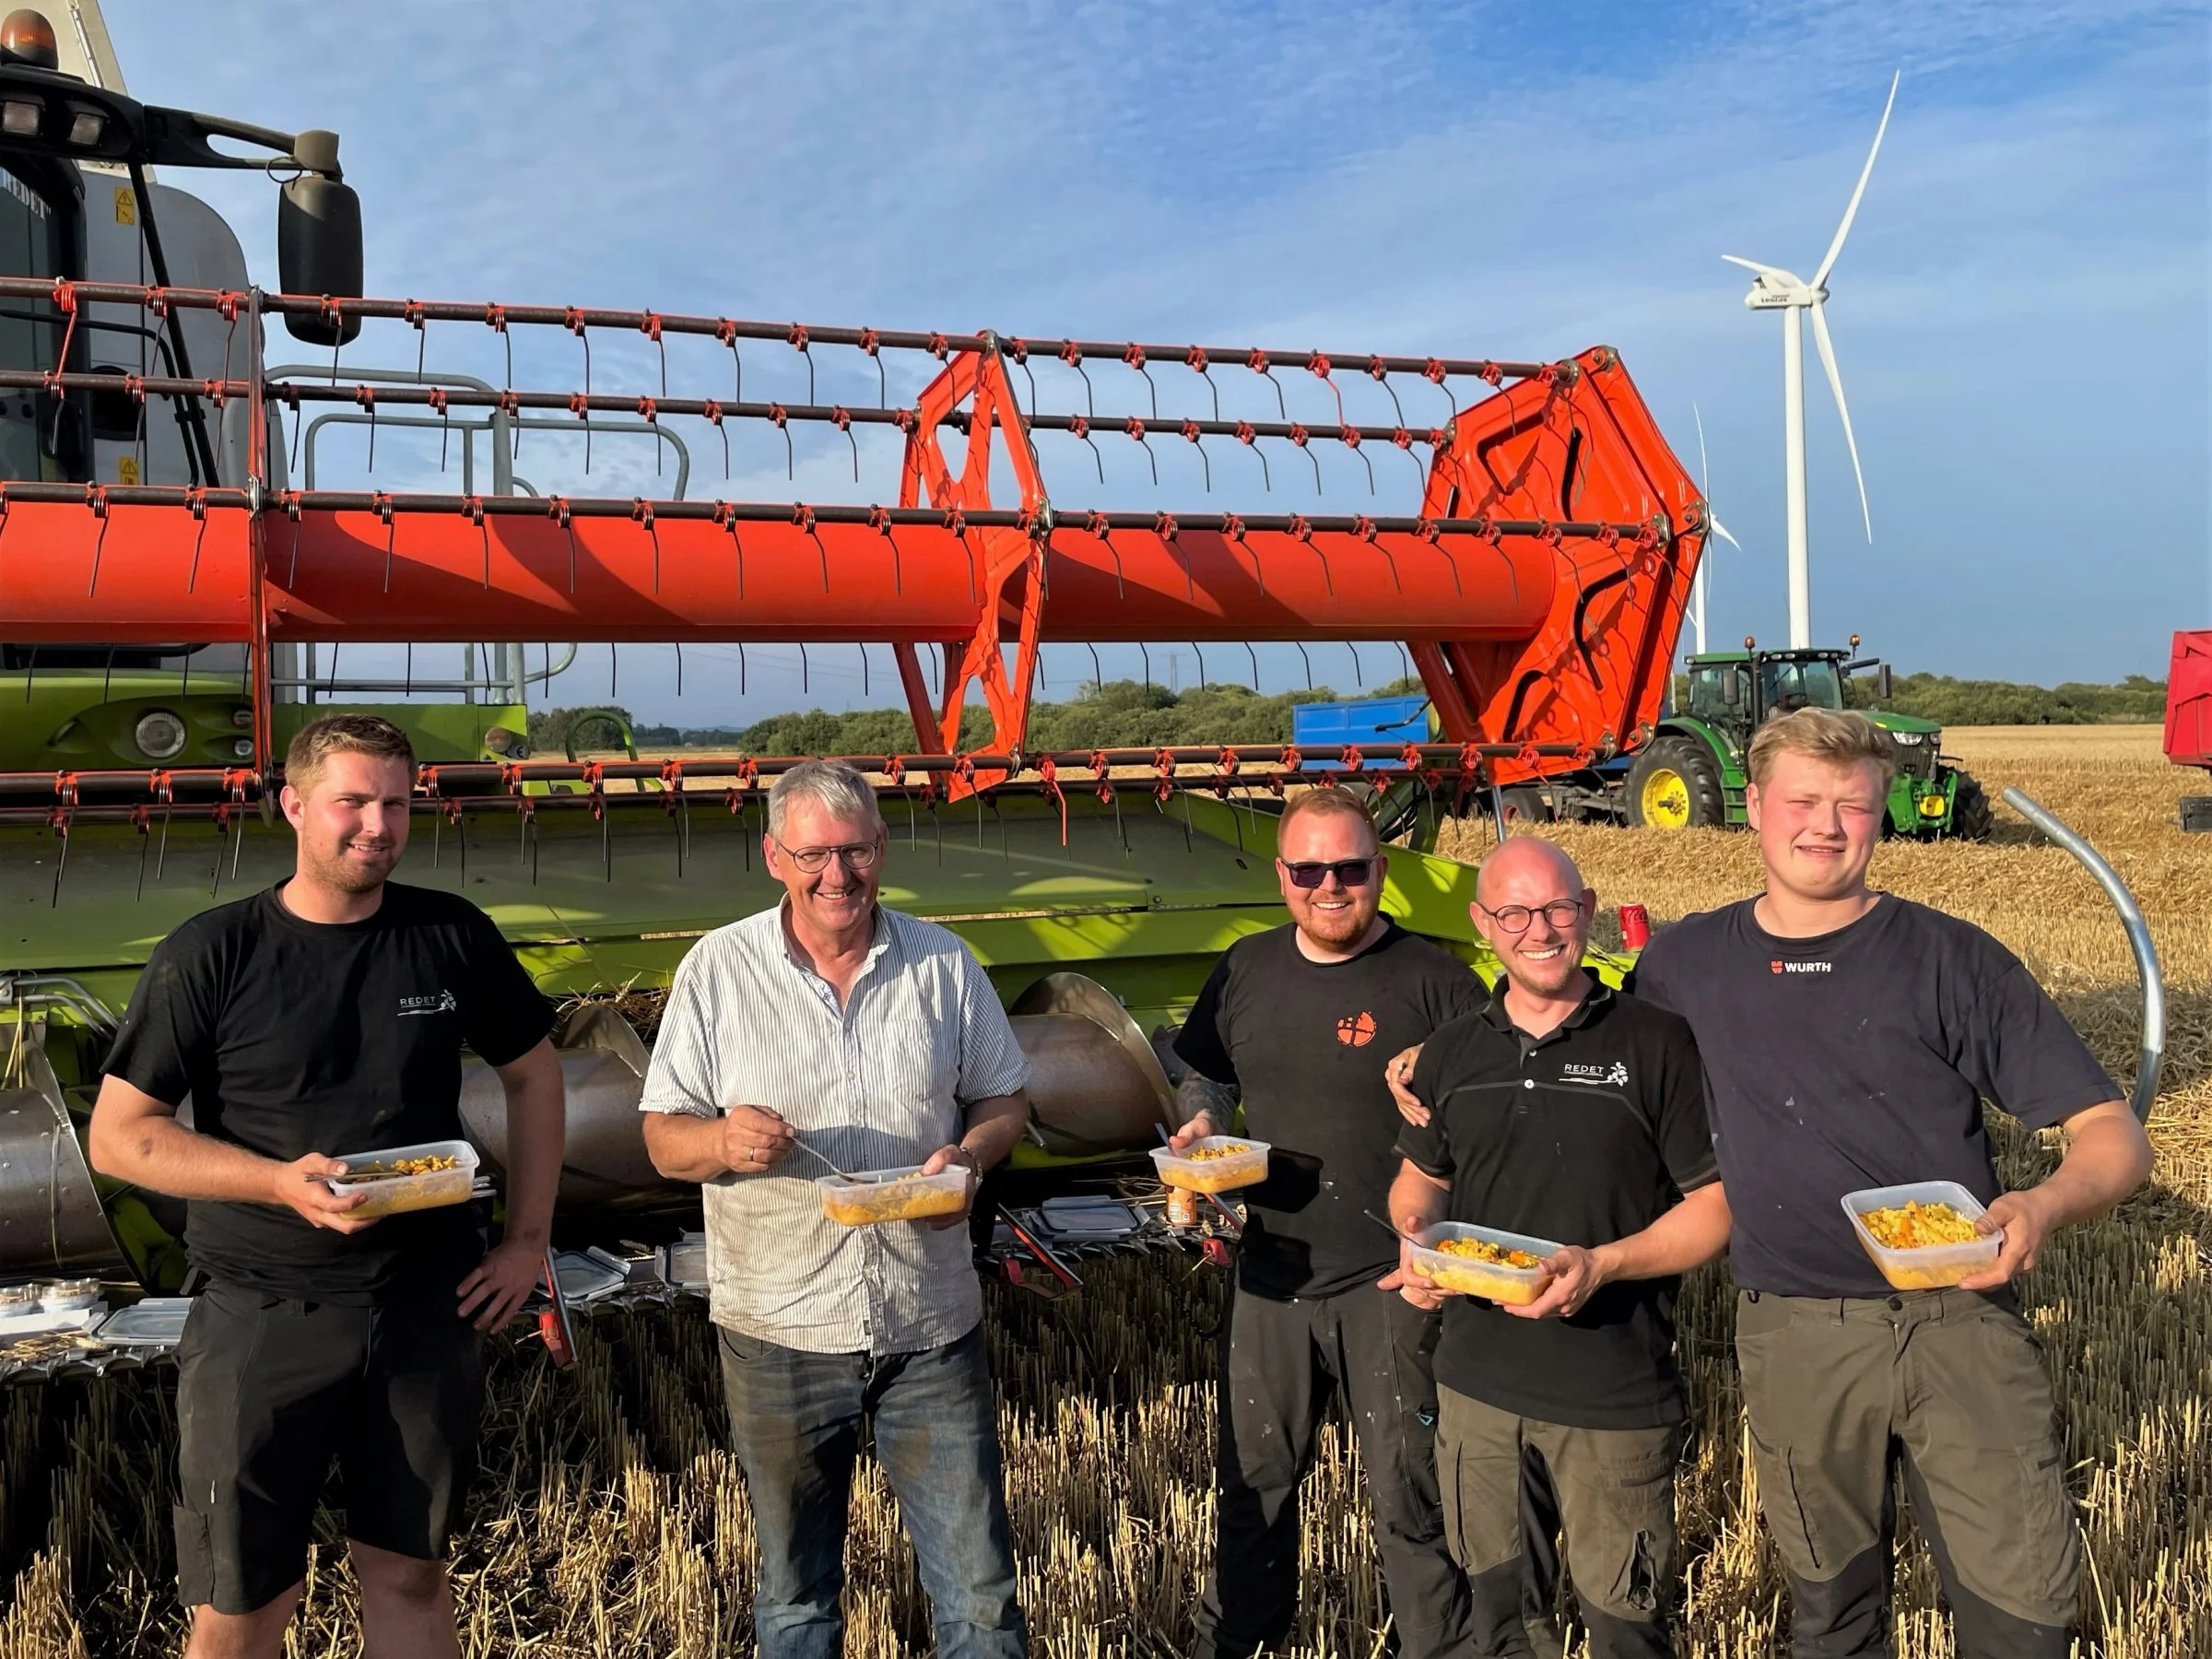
(1732, 689)
(319, 239)
(1884, 683)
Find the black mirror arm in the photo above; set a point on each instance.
(180, 138)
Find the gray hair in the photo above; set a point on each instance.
(838, 789)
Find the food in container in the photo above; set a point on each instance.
(426, 1176)
(1921, 1235)
(1215, 1163)
(17, 1298)
(868, 1196)
(66, 1296)
(1481, 1261)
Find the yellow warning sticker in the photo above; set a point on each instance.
(126, 470)
(127, 205)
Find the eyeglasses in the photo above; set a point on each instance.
(1350, 872)
(858, 855)
(1515, 918)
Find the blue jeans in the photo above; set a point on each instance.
(798, 1421)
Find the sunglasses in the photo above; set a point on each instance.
(1349, 873)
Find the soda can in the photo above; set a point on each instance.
(1635, 927)
(1182, 1208)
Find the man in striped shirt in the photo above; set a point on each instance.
(831, 1032)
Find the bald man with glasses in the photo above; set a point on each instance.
(1562, 1110)
(1300, 1020)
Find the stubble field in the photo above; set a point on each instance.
(611, 1520)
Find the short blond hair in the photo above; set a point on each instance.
(1327, 800)
(359, 733)
(1835, 737)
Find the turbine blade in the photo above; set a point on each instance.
(1704, 469)
(1852, 210)
(1835, 384)
(1764, 270)
(1720, 530)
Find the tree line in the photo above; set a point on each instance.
(1127, 714)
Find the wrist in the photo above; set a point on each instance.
(968, 1155)
(1604, 1264)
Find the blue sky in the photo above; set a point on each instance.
(2020, 316)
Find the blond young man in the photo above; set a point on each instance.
(1299, 1019)
(1849, 1039)
(323, 1017)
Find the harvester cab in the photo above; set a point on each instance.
(1692, 773)
(176, 587)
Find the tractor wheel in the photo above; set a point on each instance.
(1970, 817)
(1524, 803)
(1675, 784)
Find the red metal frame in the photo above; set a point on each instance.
(1539, 592)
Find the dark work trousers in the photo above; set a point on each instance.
(1281, 1364)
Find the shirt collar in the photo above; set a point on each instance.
(879, 940)
(1600, 995)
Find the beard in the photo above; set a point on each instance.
(1336, 928)
(361, 873)
(1546, 978)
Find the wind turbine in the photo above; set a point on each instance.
(1697, 588)
(1773, 288)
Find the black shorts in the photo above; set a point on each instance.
(270, 1390)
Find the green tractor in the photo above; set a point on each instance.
(1691, 772)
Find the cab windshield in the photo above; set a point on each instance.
(1785, 685)
(30, 330)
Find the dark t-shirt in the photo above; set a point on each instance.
(1306, 1041)
(1857, 1059)
(1583, 1135)
(294, 1036)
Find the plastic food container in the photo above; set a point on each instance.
(901, 1194)
(66, 1296)
(1236, 1163)
(1469, 1276)
(17, 1298)
(1929, 1266)
(391, 1191)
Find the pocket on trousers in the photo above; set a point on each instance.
(1780, 1502)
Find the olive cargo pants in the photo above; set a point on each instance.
(1950, 1384)
(1615, 1489)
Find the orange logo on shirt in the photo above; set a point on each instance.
(1775, 966)
(1356, 1030)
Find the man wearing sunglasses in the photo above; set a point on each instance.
(1300, 1020)
(1566, 1112)
(830, 1031)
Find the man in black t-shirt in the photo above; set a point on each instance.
(322, 1018)
(1849, 1039)
(1300, 1020)
(1564, 1113)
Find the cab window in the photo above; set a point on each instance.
(1785, 686)
(30, 330)
(1709, 688)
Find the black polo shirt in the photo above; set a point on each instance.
(1583, 1135)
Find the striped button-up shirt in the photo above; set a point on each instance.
(882, 1082)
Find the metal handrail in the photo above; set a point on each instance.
(2153, 1056)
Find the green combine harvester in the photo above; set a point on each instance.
(174, 603)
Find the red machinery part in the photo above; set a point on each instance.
(2189, 699)
(1539, 590)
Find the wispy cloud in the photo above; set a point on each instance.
(2020, 315)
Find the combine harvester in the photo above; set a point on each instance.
(169, 587)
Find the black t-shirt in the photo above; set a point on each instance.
(295, 1037)
(1856, 1059)
(1583, 1135)
(1306, 1041)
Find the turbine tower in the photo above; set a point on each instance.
(1773, 288)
